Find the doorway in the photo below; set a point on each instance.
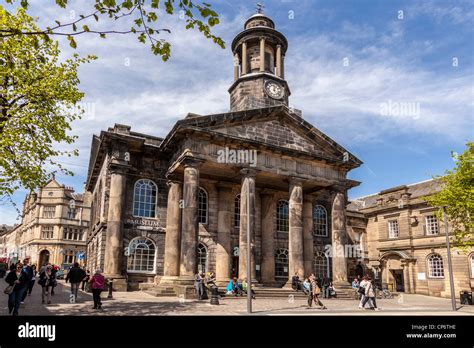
(235, 267)
(398, 276)
(44, 257)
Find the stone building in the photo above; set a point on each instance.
(164, 208)
(406, 243)
(53, 228)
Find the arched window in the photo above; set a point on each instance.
(283, 220)
(144, 199)
(435, 266)
(141, 255)
(202, 206)
(237, 211)
(281, 263)
(321, 265)
(320, 221)
(202, 258)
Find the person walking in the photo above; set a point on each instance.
(361, 292)
(97, 285)
(54, 271)
(315, 293)
(17, 284)
(29, 273)
(370, 295)
(198, 284)
(47, 280)
(31, 283)
(75, 276)
(86, 280)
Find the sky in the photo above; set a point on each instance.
(391, 81)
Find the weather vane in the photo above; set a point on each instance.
(260, 8)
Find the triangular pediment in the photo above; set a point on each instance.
(52, 184)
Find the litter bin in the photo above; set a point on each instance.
(466, 297)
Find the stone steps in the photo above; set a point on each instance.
(161, 291)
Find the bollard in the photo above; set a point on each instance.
(215, 295)
(110, 289)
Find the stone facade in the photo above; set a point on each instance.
(403, 239)
(54, 226)
(162, 209)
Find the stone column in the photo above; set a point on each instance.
(339, 239)
(295, 242)
(244, 59)
(262, 54)
(411, 266)
(268, 238)
(224, 227)
(282, 67)
(248, 188)
(189, 222)
(114, 234)
(406, 277)
(173, 231)
(278, 61)
(236, 67)
(308, 249)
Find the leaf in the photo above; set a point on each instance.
(72, 43)
(96, 17)
(85, 28)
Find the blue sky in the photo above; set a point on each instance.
(347, 62)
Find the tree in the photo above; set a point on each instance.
(38, 100)
(197, 15)
(457, 195)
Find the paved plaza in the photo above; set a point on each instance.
(140, 303)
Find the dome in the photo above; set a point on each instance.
(259, 20)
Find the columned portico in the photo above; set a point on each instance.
(173, 231)
(339, 239)
(189, 224)
(295, 250)
(247, 197)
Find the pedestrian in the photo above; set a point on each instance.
(75, 276)
(86, 280)
(325, 282)
(29, 273)
(198, 284)
(370, 295)
(32, 281)
(97, 284)
(47, 280)
(295, 282)
(17, 284)
(361, 292)
(315, 293)
(54, 271)
(245, 287)
(306, 286)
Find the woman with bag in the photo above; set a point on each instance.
(47, 281)
(316, 291)
(97, 284)
(17, 284)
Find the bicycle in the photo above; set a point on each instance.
(384, 293)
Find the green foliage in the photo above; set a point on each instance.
(38, 101)
(457, 195)
(194, 14)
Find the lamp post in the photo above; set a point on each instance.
(249, 258)
(450, 263)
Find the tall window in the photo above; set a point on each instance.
(202, 258)
(281, 263)
(72, 233)
(320, 221)
(71, 213)
(321, 265)
(393, 229)
(283, 220)
(68, 256)
(49, 211)
(144, 199)
(47, 232)
(141, 255)
(237, 211)
(202, 206)
(431, 225)
(435, 266)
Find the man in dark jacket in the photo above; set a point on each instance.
(75, 277)
(19, 280)
(28, 271)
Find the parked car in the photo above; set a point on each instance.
(60, 274)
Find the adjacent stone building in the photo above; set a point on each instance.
(53, 227)
(406, 243)
(162, 209)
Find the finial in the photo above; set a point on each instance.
(260, 8)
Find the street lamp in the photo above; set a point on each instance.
(249, 259)
(450, 263)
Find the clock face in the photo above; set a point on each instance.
(274, 90)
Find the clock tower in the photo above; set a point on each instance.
(259, 57)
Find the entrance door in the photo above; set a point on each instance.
(43, 257)
(398, 275)
(235, 267)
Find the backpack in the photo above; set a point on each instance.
(361, 290)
